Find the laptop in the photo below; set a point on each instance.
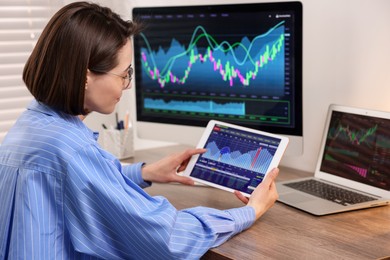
(353, 168)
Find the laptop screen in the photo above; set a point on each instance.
(358, 148)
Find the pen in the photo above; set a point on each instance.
(127, 120)
(117, 121)
(120, 125)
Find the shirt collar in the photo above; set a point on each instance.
(49, 111)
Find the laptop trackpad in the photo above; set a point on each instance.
(295, 197)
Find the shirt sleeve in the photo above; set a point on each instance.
(108, 215)
(133, 172)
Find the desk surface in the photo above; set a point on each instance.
(284, 232)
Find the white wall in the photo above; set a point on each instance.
(346, 60)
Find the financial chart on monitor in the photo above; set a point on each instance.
(228, 62)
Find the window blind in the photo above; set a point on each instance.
(21, 23)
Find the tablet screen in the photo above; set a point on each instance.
(235, 158)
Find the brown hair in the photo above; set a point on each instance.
(80, 36)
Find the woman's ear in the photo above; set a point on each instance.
(88, 78)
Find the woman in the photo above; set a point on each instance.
(61, 194)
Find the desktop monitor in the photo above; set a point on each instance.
(239, 63)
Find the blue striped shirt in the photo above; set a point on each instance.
(63, 197)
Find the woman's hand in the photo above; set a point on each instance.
(264, 196)
(166, 169)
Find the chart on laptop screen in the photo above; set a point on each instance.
(235, 158)
(358, 148)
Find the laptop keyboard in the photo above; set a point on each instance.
(329, 192)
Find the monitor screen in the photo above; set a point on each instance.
(239, 63)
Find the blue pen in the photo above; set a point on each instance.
(121, 125)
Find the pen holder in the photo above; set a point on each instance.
(119, 142)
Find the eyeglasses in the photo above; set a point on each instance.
(126, 79)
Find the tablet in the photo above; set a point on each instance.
(237, 158)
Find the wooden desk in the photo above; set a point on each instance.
(284, 232)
